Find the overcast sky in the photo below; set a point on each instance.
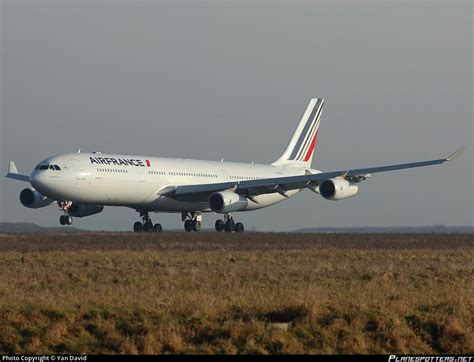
(216, 79)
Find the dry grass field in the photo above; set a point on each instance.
(250, 293)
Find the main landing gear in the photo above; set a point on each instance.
(146, 225)
(65, 219)
(228, 225)
(192, 221)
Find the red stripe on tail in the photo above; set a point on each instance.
(311, 147)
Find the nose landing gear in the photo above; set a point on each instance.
(65, 219)
(146, 225)
(228, 225)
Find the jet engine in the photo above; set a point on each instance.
(337, 189)
(83, 210)
(33, 199)
(224, 202)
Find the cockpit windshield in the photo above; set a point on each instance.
(46, 167)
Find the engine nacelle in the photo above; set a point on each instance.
(337, 189)
(33, 199)
(225, 201)
(82, 210)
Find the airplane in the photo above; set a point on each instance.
(81, 184)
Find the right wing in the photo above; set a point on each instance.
(13, 173)
(201, 192)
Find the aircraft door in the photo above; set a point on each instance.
(224, 174)
(81, 173)
(141, 174)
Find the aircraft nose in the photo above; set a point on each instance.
(39, 181)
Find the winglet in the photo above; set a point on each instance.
(12, 168)
(456, 154)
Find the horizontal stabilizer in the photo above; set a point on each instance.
(13, 173)
(12, 168)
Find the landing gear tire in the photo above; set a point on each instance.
(239, 227)
(65, 220)
(220, 225)
(138, 227)
(148, 226)
(196, 225)
(188, 225)
(192, 220)
(229, 226)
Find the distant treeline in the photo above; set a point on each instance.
(437, 229)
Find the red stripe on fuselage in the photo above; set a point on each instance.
(311, 148)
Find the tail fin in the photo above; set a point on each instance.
(299, 151)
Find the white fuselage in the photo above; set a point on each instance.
(140, 182)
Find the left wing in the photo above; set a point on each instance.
(13, 173)
(282, 184)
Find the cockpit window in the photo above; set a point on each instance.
(48, 167)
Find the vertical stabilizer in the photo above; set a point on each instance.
(299, 151)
